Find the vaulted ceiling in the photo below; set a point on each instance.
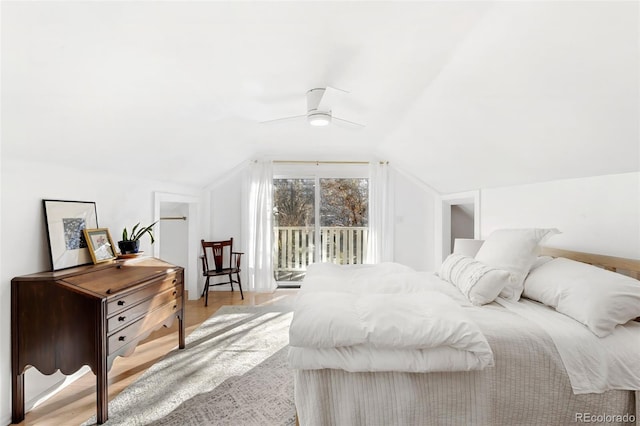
(462, 95)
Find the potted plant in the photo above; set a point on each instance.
(131, 240)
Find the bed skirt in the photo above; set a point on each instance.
(336, 397)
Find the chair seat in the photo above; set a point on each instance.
(223, 271)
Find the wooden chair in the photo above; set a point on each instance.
(226, 262)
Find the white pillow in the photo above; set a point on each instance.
(480, 283)
(540, 260)
(466, 246)
(513, 250)
(597, 298)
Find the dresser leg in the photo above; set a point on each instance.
(181, 330)
(102, 411)
(17, 397)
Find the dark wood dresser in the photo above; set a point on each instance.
(89, 315)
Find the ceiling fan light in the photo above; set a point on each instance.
(319, 119)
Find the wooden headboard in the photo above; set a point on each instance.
(629, 267)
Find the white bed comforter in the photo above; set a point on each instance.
(388, 330)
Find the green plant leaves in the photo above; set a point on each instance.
(136, 233)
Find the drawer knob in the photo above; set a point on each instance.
(175, 292)
(120, 302)
(174, 307)
(121, 338)
(175, 281)
(121, 318)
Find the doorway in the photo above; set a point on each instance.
(460, 219)
(174, 231)
(178, 240)
(462, 222)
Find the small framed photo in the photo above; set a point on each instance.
(65, 221)
(100, 244)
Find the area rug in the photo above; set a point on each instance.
(233, 371)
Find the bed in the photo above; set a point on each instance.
(557, 357)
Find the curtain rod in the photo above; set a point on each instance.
(324, 162)
(174, 218)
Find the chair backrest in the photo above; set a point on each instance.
(219, 251)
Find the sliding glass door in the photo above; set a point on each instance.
(294, 221)
(318, 219)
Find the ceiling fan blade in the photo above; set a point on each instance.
(339, 89)
(352, 124)
(330, 97)
(283, 119)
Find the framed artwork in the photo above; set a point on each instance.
(65, 221)
(100, 244)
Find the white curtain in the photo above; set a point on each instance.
(258, 232)
(380, 246)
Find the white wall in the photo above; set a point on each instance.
(225, 219)
(595, 214)
(414, 222)
(226, 207)
(24, 249)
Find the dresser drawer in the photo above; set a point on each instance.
(120, 303)
(136, 311)
(145, 324)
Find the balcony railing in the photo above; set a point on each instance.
(296, 245)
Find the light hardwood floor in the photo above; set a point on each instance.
(77, 402)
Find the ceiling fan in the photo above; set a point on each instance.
(319, 102)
